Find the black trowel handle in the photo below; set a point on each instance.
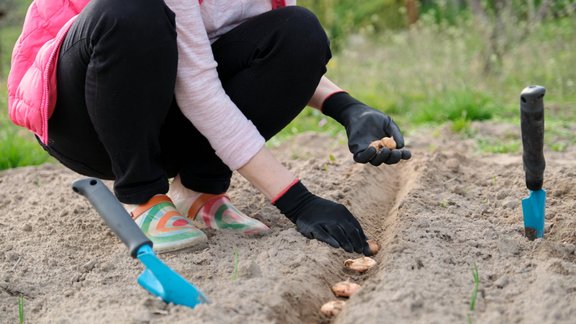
(532, 124)
(113, 213)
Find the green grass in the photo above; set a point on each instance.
(435, 73)
(453, 106)
(18, 147)
(17, 150)
(309, 120)
(8, 36)
(499, 146)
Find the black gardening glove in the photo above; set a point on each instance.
(321, 219)
(363, 126)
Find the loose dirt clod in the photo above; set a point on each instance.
(332, 308)
(530, 233)
(361, 264)
(345, 288)
(373, 246)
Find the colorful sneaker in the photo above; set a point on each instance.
(166, 227)
(218, 212)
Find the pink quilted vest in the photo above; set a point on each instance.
(32, 79)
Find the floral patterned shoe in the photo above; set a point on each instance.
(166, 227)
(218, 212)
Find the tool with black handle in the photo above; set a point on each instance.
(532, 125)
(157, 277)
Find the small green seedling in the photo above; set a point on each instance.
(443, 203)
(21, 309)
(474, 296)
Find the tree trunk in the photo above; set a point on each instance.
(412, 13)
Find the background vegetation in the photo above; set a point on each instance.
(18, 147)
(427, 63)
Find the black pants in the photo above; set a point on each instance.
(116, 117)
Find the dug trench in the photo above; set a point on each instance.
(373, 194)
(437, 216)
(286, 277)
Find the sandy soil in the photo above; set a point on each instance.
(437, 216)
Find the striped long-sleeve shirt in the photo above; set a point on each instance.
(199, 92)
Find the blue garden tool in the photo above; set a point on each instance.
(532, 125)
(157, 277)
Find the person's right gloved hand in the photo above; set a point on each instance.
(321, 219)
(364, 125)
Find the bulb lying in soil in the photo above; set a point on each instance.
(332, 308)
(361, 264)
(345, 288)
(373, 246)
(387, 142)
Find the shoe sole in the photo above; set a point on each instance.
(196, 244)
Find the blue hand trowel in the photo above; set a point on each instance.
(532, 124)
(157, 277)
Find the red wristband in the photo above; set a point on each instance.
(278, 4)
(284, 190)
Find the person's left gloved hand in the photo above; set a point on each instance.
(363, 126)
(323, 220)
